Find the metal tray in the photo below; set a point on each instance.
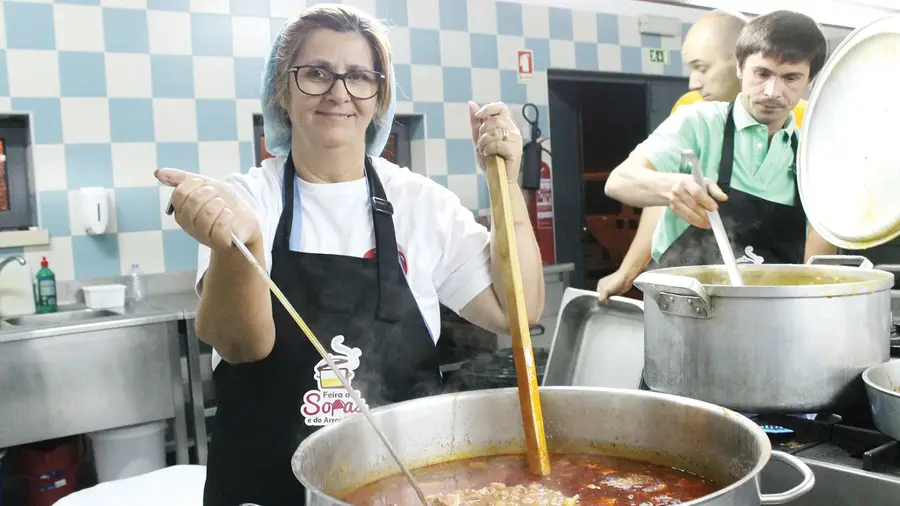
(596, 344)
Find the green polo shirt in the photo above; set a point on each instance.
(760, 168)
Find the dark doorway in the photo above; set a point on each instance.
(597, 119)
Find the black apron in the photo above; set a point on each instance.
(759, 230)
(266, 408)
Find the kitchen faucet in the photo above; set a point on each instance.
(9, 259)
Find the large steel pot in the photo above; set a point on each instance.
(712, 441)
(768, 346)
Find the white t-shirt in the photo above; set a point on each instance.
(446, 252)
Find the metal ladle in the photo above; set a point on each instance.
(318, 346)
(715, 221)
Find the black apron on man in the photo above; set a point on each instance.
(759, 229)
(266, 408)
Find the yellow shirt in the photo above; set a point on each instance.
(694, 96)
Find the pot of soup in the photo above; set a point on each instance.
(609, 447)
(791, 339)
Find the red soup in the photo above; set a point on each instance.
(575, 479)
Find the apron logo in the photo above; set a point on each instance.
(749, 257)
(370, 255)
(330, 402)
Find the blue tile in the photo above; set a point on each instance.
(417, 128)
(179, 250)
(173, 76)
(216, 120)
(651, 40)
(484, 194)
(511, 91)
(8, 252)
(55, 212)
(425, 46)
(169, 5)
(29, 26)
(125, 31)
(457, 84)
(460, 156)
(393, 12)
(211, 34)
(253, 8)
(509, 18)
(4, 77)
(434, 118)
(96, 256)
(178, 155)
(47, 117)
(541, 48)
(586, 56)
(561, 23)
(403, 78)
(137, 209)
(131, 119)
(247, 159)
(247, 72)
(82, 74)
(631, 60)
(685, 28)
(454, 15)
(484, 51)
(675, 67)
(607, 29)
(88, 165)
(441, 180)
(276, 25)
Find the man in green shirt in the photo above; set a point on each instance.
(747, 151)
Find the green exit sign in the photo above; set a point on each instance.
(658, 56)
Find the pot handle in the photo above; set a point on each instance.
(809, 481)
(675, 295)
(851, 260)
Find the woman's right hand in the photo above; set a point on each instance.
(208, 210)
(613, 284)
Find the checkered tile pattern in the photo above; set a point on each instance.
(119, 87)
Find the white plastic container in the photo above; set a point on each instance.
(104, 296)
(129, 451)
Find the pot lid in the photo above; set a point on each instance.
(848, 160)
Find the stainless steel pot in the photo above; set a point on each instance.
(712, 441)
(765, 347)
(883, 388)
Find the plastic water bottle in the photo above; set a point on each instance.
(137, 287)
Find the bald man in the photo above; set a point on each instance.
(709, 53)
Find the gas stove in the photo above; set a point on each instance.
(854, 464)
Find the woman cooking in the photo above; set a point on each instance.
(365, 250)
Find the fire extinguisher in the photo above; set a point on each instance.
(538, 187)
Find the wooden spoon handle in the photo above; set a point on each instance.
(526, 375)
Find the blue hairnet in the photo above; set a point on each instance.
(277, 124)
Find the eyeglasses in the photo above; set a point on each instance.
(317, 81)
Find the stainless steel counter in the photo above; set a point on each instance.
(79, 371)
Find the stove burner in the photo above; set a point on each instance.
(777, 431)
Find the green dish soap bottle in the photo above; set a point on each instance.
(46, 289)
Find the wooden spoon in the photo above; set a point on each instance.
(523, 354)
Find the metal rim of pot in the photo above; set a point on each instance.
(848, 189)
(681, 281)
(884, 402)
(427, 404)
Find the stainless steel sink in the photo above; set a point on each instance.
(60, 317)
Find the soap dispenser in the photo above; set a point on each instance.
(94, 204)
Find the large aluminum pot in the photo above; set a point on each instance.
(712, 441)
(793, 339)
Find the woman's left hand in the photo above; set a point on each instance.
(495, 133)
